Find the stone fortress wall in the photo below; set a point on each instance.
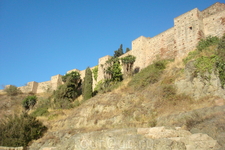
(175, 42)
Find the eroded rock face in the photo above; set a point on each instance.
(157, 138)
(196, 86)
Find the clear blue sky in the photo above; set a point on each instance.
(42, 38)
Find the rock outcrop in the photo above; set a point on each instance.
(157, 138)
(198, 87)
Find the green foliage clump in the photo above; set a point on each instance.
(113, 70)
(95, 72)
(168, 91)
(128, 63)
(209, 56)
(148, 75)
(19, 130)
(127, 49)
(119, 52)
(69, 91)
(206, 43)
(104, 86)
(87, 85)
(40, 111)
(29, 102)
(42, 108)
(12, 90)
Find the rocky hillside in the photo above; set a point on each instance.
(176, 107)
(126, 115)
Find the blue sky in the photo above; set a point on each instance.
(43, 38)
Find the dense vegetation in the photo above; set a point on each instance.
(19, 130)
(209, 57)
(69, 91)
(95, 73)
(29, 102)
(87, 84)
(128, 63)
(149, 75)
(12, 90)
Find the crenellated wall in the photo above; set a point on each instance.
(175, 42)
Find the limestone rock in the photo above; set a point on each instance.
(157, 138)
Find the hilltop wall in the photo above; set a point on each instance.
(42, 87)
(175, 42)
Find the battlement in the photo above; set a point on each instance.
(175, 42)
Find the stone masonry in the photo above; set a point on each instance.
(173, 43)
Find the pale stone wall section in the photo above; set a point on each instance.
(101, 63)
(188, 31)
(213, 9)
(44, 87)
(215, 25)
(31, 87)
(56, 81)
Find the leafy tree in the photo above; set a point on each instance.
(128, 63)
(71, 89)
(29, 102)
(113, 70)
(119, 52)
(87, 86)
(12, 90)
(19, 130)
(127, 49)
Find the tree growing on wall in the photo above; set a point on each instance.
(113, 70)
(87, 84)
(128, 63)
(127, 49)
(71, 89)
(119, 52)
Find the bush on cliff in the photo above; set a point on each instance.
(19, 130)
(149, 75)
(208, 57)
(12, 90)
(29, 102)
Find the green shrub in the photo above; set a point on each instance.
(128, 63)
(19, 130)
(29, 102)
(104, 86)
(148, 75)
(95, 72)
(191, 55)
(208, 57)
(40, 111)
(113, 70)
(168, 91)
(207, 42)
(12, 90)
(69, 91)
